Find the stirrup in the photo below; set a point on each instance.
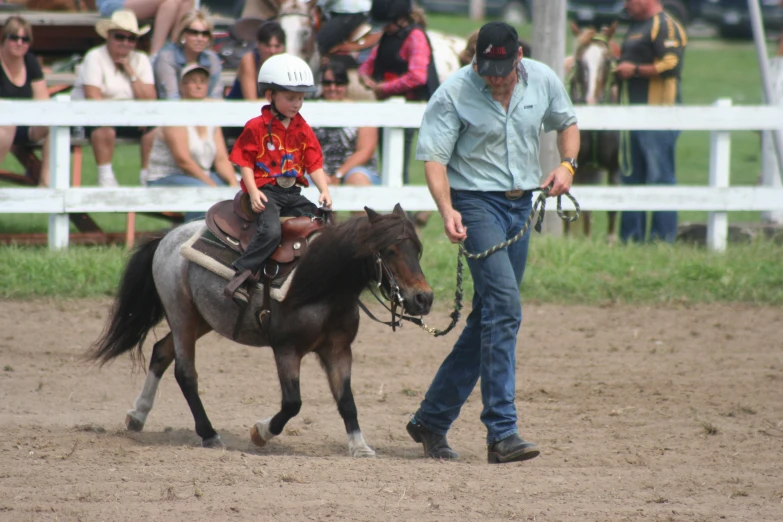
(234, 284)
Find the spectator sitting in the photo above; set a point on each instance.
(349, 152)
(165, 12)
(184, 156)
(116, 71)
(21, 78)
(402, 64)
(194, 40)
(270, 40)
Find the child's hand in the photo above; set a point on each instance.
(325, 199)
(257, 201)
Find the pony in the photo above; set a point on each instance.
(319, 314)
(591, 83)
(300, 24)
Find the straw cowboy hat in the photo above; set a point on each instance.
(122, 20)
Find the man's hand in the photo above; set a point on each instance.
(257, 200)
(625, 70)
(325, 199)
(452, 223)
(562, 179)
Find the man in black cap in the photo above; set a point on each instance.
(479, 141)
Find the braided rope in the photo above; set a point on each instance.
(539, 209)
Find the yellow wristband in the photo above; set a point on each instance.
(569, 167)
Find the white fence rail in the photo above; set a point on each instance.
(61, 199)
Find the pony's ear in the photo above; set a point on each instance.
(371, 214)
(574, 28)
(399, 211)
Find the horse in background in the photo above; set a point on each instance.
(300, 23)
(591, 83)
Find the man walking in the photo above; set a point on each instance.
(479, 141)
(649, 72)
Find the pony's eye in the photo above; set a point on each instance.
(390, 252)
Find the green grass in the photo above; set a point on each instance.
(559, 271)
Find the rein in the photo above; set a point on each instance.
(538, 209)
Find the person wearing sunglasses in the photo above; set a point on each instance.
(116, 71)
(165, 13)
(192, 47)
(21, 78)
(349, 152)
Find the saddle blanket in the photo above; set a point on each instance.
(207, 251)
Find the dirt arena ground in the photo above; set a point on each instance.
(641, 414)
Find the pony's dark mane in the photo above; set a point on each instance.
(339, 262)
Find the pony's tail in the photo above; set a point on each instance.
(136, 310)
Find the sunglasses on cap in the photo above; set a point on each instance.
(327, 83)
(18, 38)
(196, 32)
(125, 37)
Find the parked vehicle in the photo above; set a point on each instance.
(732, 17)
(600, 12)
(514, 12)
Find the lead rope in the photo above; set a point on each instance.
(539, 208)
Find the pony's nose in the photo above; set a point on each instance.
(423, 302)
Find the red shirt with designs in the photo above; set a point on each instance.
(286, 152)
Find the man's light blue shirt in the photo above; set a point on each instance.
(483, 147)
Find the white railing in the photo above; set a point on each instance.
(61, 199)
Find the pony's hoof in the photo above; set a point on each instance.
(260, 433)
(214, 442)
(133, 424)
(363, 453)
(256, 437)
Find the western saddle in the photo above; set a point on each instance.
(233, 222)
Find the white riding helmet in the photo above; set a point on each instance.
(285, 72)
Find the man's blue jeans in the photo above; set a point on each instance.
(652, 163)
(487, 346)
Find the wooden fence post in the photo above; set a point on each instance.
(720, 166)
(550, 41)
(60, 178)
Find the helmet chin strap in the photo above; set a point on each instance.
(279, 116)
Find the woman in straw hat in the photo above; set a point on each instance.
(116, 71)
(165, 12)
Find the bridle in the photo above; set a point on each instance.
(576, 79)
(390, 292)
(302, 10)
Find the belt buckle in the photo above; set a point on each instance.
(514, 194)
(285, 181)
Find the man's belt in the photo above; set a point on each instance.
(514, 194)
